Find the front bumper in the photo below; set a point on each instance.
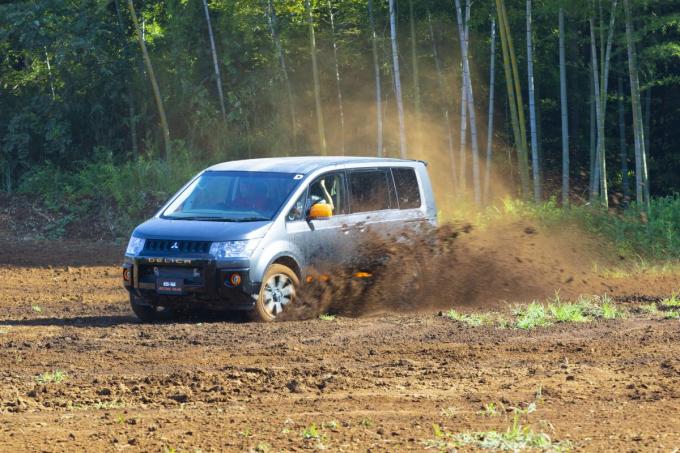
(205, 281)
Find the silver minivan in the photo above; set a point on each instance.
(242, 235)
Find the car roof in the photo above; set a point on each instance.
(302, 164)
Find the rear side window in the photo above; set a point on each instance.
(408, 192)
(369, 190)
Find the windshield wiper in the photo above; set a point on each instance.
(219, 219)
(204, 218)
(251, 219)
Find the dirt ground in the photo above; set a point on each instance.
(373, 383)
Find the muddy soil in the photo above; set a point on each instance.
(377, 382)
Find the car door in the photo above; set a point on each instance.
(372, 202)
(408, 193)
(321, 240)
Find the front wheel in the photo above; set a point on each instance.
(278, 291)
(147, 312)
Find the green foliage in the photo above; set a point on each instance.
(532, 316)
(490, 410)
(471, 319)
(106, 194)
(515, 438)
(51, 377)
(312, 432)
(327, 317)
(672, 302)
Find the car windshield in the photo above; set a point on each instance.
(233, 196)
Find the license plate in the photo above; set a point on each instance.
(169, 286)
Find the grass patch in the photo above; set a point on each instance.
(107, 405)
(516, 437)
(490, 410)
(36, 308)
(567, 312)
(673, 314)
(473, 319)
(537, 314)
(650, 309)
(51, 377)
(531, 316)
(671, 302)
(327, 317)
(312, 432)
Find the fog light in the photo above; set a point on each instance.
(235, 279)
(126, 275)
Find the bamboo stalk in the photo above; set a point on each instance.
(489, 130)
(397, 80)
(378, 88)
(154, 83)
(564, 113)
(218, 76)
(315, 75)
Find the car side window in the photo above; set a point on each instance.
(297, 212)
(369, 190)
(328, 189)
(408, 192)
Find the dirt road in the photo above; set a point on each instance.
(376, 383)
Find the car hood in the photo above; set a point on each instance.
(196, 230)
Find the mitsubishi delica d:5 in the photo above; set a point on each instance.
(240, 235)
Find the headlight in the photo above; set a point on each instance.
(135, 246)
(233, 249)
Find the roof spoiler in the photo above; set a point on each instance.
(424, 162)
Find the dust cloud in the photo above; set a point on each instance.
(453, 266)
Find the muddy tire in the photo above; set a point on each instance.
(279, 289)
(149, 313)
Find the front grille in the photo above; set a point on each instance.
(190, 275)
(171, 246)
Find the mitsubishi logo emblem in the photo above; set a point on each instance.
(174, 246)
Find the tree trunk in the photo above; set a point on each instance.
(337, 80)
(397, 80)
(213, 50)
(648, 117)
(463, 31)
(49, 74)
(535, 165)
(593, 134)
(315, 75)
(489, 130)
(378, 88)
(514, 97)
(622, 144)
(599, 180)
(564, 112)
(131, 105)
(154, 82)
(595, 178)
(463, 133)
(416, 83)
(445, 108)
(271, 17)
(641, 185)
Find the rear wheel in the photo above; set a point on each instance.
(278, 291)
(147, 312)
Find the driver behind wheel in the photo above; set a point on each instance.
(250, 196)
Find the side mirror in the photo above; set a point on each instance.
(320, 212)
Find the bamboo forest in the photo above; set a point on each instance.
(576, 102)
